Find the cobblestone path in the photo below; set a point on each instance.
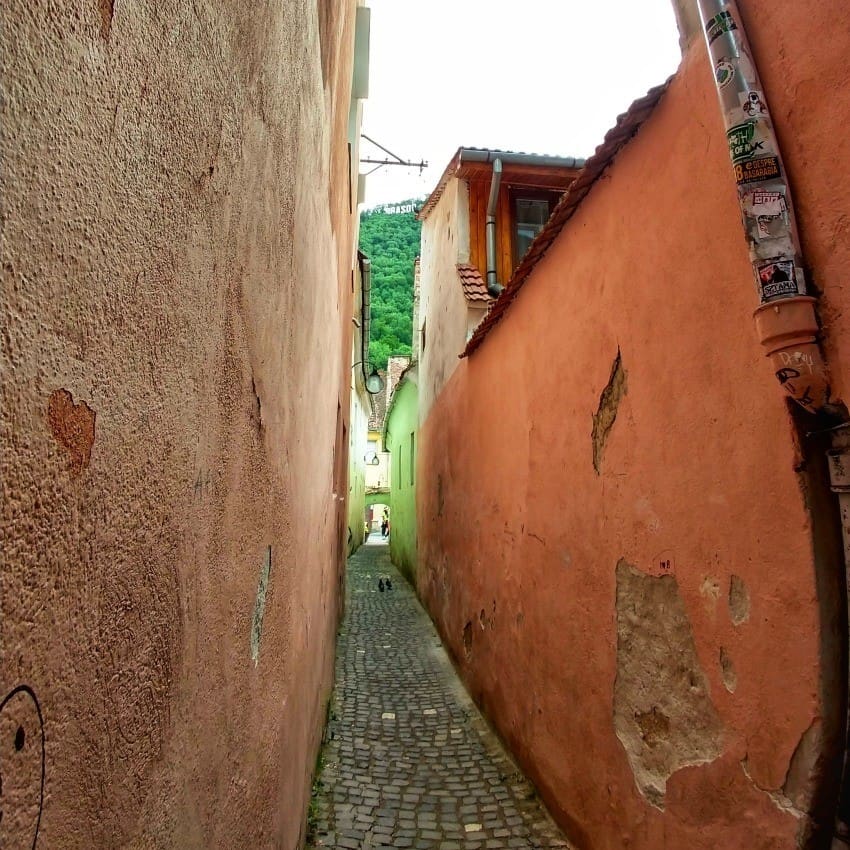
(409, 762)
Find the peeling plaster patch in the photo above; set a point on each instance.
(739, 600)
(256, 408)
(609, 401)
(710, 591)
(467, 639)
(107, 10)
(73, 427)
(777, 797)
(663, 714)
(730, 677)
(260, 607)
(804, 767)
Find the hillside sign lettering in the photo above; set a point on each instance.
(399, 208)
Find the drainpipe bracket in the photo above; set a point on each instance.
(787, 329)
(787, 322)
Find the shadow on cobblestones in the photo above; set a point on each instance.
(409, 761)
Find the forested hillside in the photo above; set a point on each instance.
(391, 242)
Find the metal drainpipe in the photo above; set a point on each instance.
(366, 312)
(839, 480)
(786, 320)
(493, 286)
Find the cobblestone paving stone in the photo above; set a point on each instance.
(409, 762)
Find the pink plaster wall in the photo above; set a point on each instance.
(519, 536)
(177, 256)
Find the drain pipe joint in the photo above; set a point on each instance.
(493, 286)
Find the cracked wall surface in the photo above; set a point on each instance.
(663, 711)
(606, 414)
(797, 793)
(739, 600)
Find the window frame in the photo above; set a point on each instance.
(528, 193)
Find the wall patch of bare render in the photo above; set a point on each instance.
(609, 404)
(663, 712)
(260, 606)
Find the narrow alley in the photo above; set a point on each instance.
(425, 425)
(409, 760)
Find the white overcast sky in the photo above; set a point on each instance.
(543, 76)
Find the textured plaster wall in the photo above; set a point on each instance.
(359, 412)
(176, 266)
(402, 422)
(647, 634)
(443, 308)
(358, 447)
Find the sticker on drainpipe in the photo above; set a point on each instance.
(719, 24)
(724, 73)
(777, 278)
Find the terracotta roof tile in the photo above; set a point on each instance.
(615, 140)
(396, 367)
(434, 197)
(473, 284)
(379, 406)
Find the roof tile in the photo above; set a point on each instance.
(615, 139)
(474, 288)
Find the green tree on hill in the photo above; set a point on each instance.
(391, 242)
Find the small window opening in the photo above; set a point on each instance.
(531, 215)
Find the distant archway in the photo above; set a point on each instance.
(378, 497)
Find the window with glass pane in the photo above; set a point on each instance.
(530, 216)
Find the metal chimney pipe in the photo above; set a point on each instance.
(493, 286)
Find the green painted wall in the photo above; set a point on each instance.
(356, 505)
(401, 440)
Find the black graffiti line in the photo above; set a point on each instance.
(26, 689)
(786, 374)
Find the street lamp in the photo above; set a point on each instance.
(374, 382)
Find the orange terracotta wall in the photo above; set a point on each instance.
(177, 256)
(669, 616)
